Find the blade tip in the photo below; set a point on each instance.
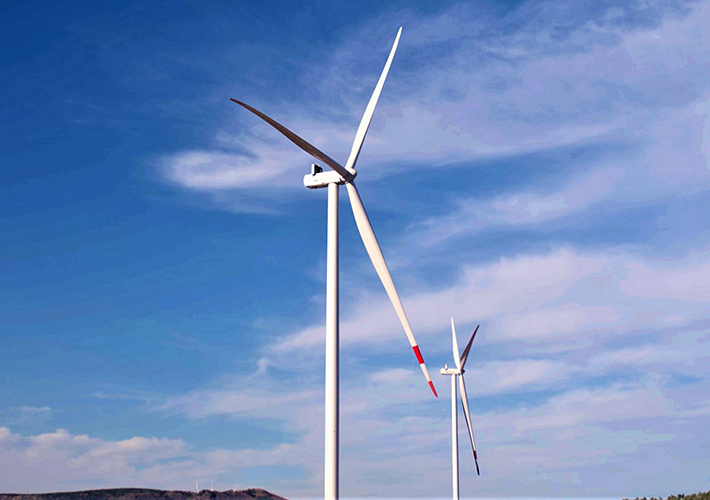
(431, 386)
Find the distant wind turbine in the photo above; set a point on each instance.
(457, 373)
(332, 180)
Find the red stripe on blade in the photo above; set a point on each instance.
(431, 384)
(418, 354)
(475, 455)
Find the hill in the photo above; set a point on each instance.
(692, 496)
(146, 494)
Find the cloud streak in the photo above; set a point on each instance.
(487, 96)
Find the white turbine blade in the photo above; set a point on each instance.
(378, 260)
(464, 356)
(370, 110)
(467, 414)
(301, 143)
(455, 345)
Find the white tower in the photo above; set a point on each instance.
(456, 375)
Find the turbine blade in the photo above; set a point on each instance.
(464, 356)
(370, 109)
(301, 143)
(467, 413)
(378, 260)
(455, 345)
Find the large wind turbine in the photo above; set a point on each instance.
(332, 179)
(457, 373)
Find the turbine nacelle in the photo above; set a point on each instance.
(319, 178)
(450, 371)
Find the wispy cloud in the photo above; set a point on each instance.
(562, 294)
(60, 458)
(16, 415)
(565, 372)
(518, 209)
(489, 93)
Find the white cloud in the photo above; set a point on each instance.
(508, 286)
(16, 415)
(508, 376)
(683, 351)
(231, 401)
(542, 298)
(387, 425)
(594, 405)
(209, 170)
(690, 283)
(583, 406)
(552, 411)
(524, 208)
(558, 320)
(60, 459)
(391, 375)
(507, 94)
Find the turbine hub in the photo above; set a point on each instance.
(320, 179)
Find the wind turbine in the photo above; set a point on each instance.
(332, 180)
(457, 373)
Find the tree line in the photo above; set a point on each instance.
(693, 496)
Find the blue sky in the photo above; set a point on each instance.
(541, 168)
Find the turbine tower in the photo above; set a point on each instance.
(457, 373)
(332, 180)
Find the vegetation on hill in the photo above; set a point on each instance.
(147, 494)
(692, 496)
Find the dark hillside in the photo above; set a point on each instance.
(147, 494)
(692, 496)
